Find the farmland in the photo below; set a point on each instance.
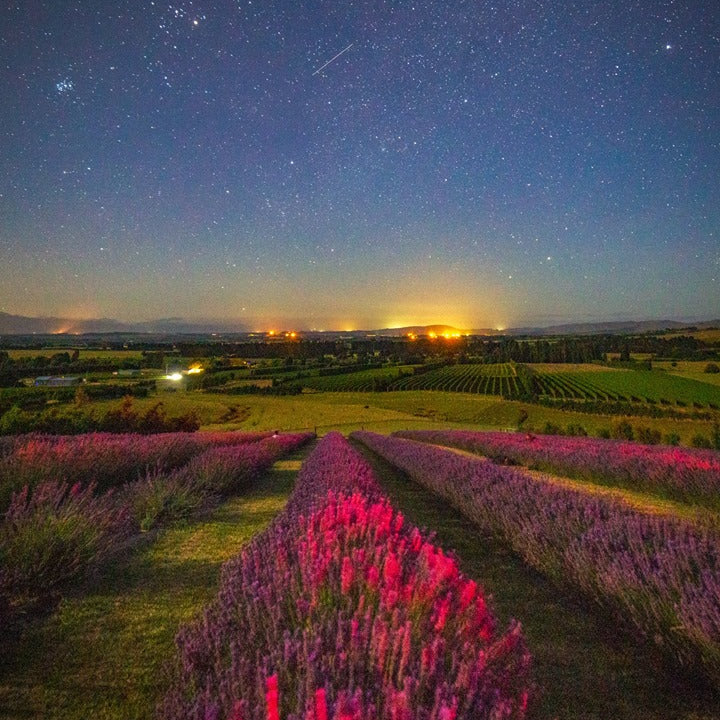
(560, 661)
(497, 379)
(629, 386)
(555, 381)
(573, 536)
(689, 369)
(362, 381)
(385, 412)
(148, 519)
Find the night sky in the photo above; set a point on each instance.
(341, 164)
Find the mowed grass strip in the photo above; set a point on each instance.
(103, 655)
(584, 665)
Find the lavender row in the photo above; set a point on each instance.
(55, 535)
(679, 473)
(102, 458)
(343, 610)
(659, 575)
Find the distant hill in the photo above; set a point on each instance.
(22, 325)
(625, 327)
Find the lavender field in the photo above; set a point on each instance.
(659, 575)
(75, 502)
(685, 474)
(345, 609)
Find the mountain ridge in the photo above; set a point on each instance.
(25, 325)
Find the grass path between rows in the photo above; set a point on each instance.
(102, 656)
(639, 500)
(585, 667)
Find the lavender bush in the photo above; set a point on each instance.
(53, 535)
(52, 538)
(217, 472)
(106, 459)
(679, 473)
(343, 610)
(660, 575)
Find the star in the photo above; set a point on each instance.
(64, 86)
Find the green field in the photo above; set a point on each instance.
(689, 369)
(84, 354)
(485, 379)
(561, 381)
(361, 381)
(628, 386)
(388, 411)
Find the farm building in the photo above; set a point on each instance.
(57, 381)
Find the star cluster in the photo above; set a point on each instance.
(345, 163)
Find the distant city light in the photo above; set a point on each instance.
(174, 376)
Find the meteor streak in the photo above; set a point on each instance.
(333, 58)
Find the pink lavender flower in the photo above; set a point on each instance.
(341, 609)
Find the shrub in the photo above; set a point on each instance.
(700, 441)
(671, 439)
(16, 421)
(126, 419)
(576, 431)
(52, 537)
(647, 435)
(551, 429)
(158, 499)
(712, 368)
(623, 431)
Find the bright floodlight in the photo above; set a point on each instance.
(174, 376)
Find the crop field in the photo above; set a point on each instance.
(628, 386)
(494, 379)
(689, 387)
(605, 548)
(708, 335)
(689, 369)
(16, 354)
(361, 381)
(560, 381)
(342, 606)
